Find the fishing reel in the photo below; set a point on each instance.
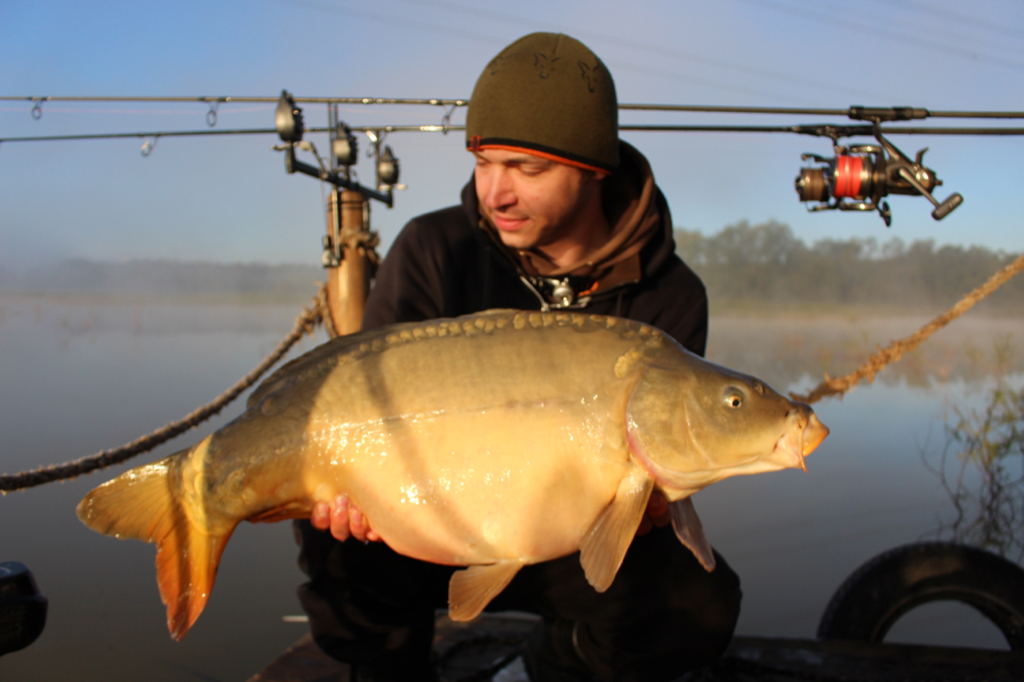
(859, 176)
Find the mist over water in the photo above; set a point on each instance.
(81, 375)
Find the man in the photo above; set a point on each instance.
(559, 214)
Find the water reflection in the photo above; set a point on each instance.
(785, 350)
(981, 465)
(982, 470)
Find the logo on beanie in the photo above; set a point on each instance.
(495, 63)
(589, 74)
(544, 65)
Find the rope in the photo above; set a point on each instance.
(323, 309)
(366, 243)
(895, 350)
(305, 324)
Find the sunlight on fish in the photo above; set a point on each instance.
(491, 441)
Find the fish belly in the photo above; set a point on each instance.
(477, 486)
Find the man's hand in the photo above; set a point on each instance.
(656, 516)
(344, 520)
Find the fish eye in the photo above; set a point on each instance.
(733, 397)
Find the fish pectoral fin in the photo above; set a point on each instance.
(690, 532)
(606, 541)
(472, 589)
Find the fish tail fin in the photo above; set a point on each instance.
(147, 503)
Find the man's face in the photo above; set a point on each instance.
(532, 201)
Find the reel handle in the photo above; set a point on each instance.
(946, 207)
(941, 210)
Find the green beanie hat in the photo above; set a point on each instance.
(547, 94)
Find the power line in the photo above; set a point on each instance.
(509, 18)
(973, 38)
(921, 13)
(392, 20)
(957, 17)
(644, 47)
(876, 31)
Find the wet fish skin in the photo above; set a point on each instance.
(493, 441)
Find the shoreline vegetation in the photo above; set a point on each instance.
(749, 271)
(764, 268)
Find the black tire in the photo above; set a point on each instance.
(868, 603)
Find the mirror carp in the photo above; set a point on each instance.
(490, 441)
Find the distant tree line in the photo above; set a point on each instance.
(165, 278)
(743, 266)
(765, 264)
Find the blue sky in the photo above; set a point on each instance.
(229, 199)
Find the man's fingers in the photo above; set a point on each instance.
(343, 519)
(320, 518)
(357, 524)
(339, 518)
(360, 526)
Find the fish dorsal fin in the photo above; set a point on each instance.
(606, 541)
(690, 532)
(472, 589)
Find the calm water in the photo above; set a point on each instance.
(79, 377)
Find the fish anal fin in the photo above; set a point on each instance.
(472, 589)
(147, 504)
(186, 565)
(605, 543)
(690, 532)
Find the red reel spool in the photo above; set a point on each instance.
(848, 175)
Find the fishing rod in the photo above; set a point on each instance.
(813, 129)
(856, 112)
(857, 178)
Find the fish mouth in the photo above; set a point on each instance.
(801, 440)
(814, 433)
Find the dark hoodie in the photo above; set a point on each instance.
(450, 262)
